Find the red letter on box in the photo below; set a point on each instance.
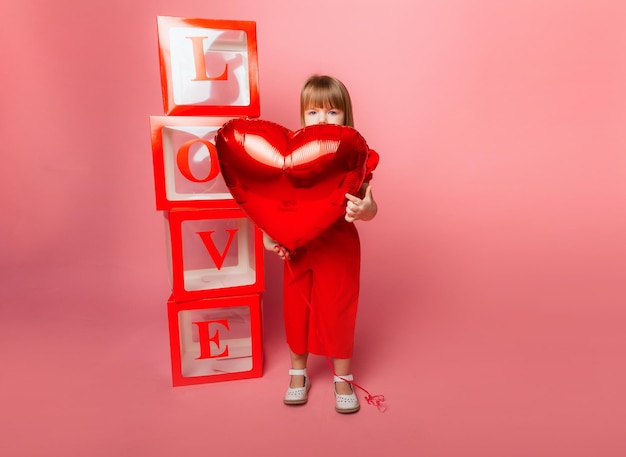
(205, 339)
(182, 160)
(210, 245)
(200, 61)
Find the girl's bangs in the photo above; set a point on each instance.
(323, 97)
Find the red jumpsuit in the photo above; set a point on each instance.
(321, 289)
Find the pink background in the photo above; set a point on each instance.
(494, 277)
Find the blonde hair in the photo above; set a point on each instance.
(321, 91)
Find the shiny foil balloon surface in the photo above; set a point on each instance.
(292, 184)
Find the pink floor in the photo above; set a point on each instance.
(86, 373)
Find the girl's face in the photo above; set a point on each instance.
(313, 116)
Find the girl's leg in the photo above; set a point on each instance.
(299, 384)
(298, 362)
(342, 368)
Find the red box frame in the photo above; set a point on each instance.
(253, 301)
(163, 202)
(165, 24)
(175, 219)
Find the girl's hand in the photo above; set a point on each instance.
(363, 209)
(272, 245)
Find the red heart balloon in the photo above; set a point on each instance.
(291, 184)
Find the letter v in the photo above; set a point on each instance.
(218, 258)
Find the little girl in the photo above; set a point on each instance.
(321, 282)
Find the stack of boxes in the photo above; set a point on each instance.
(209, 75)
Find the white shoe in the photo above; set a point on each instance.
(297, 395)
(346, 403)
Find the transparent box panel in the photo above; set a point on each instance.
(237, 339)
(201, 181)
(209, 66)
(209, 261)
